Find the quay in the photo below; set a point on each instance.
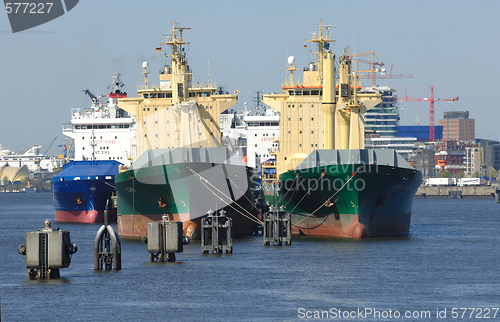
(469, 192)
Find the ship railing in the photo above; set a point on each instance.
(159, 86)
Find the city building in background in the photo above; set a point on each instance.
(421, 132)
(383, 119)
(458, 126)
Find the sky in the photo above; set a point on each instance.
(244, 45)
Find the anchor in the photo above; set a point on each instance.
(107, 247)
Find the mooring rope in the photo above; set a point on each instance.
(328, 200)
(244, 195)
(203, 181)
(305, 193)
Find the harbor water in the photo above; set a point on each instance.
(450, 260)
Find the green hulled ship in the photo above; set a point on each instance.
(330, 184)
(185, 184)
(183, 170)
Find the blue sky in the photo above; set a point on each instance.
(450, 45)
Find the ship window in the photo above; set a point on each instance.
(83, 148)
(126, 126)
(143, 108)
(289, 119)
(148, 109)
(161, 95)
(145, 95)
(312, 118)
(168, 95)
(153, 95)
(314, 92)
(306, 93)
(116, 137)
(83, 138)
(77, 127)
(156, 109)
(312, 132)
(312, 105)
(284, 158)
(300, 132)
(300, 119)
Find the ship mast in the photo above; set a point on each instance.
(323, 40)
(180, 69)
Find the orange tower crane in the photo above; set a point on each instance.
(431, 100)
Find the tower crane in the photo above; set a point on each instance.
(431, 100)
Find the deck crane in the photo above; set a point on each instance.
(431, 100)
(374, 69)
(372, 63)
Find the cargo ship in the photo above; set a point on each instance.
(82, 189)
(104, 138)
(328, 181)
(183, 169)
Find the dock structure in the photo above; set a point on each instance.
(107, 245)
(46, 251)
(164, 239)
(277, 228)
(219, 227)
(457, 192)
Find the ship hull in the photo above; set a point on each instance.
(179, 190)
(342, 201)
(82, 190)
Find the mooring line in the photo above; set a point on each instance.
(203, 180)
(295, 225)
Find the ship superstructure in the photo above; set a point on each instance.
(310, 117)
(162, 118)
(103, 131)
